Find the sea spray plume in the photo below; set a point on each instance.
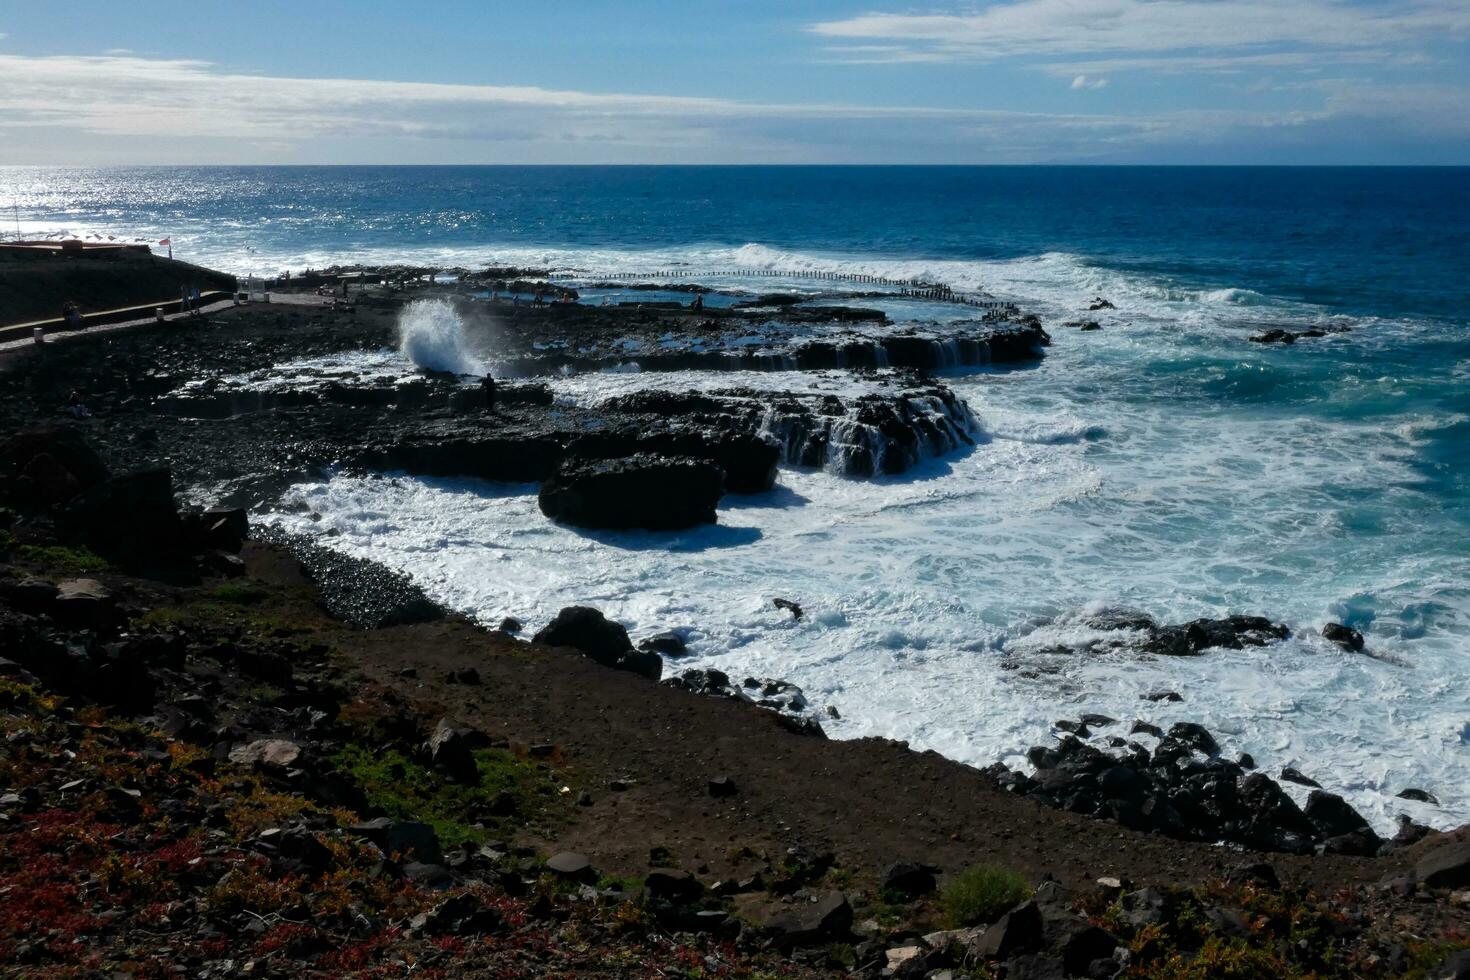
(431, 334)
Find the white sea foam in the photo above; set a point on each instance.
(432, 335)
(592, 388)
(1089, 490)
(1161, 463)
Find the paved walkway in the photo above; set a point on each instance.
(52, 338)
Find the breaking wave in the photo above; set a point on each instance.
(431, 334)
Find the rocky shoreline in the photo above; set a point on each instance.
(230, 751)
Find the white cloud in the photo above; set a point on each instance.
(1083, 82)
(121, 109)
(1239, 63)
(1050, 27)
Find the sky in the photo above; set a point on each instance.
(754, 81)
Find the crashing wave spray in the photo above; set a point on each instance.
(431, 335)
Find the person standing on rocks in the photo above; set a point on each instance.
(487, 385)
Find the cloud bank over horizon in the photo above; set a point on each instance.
(1103, 81)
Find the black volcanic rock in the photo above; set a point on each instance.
(589, 631)
(1344, 636)
(1132, 630)
(47, 466)
(1173, 791)
(655, 493)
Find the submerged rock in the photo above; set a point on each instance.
(1129, 629)
(1344, 636)
(794, 608)
(669, 644)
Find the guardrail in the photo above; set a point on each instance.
(22, 331)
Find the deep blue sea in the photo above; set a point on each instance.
(1163, 462)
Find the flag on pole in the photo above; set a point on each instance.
(170, 243)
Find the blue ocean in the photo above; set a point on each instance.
(1163, 462)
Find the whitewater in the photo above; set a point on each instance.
(1162, 463)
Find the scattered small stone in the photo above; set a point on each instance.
(462, 915)
(672, 884)
(434, 876)
(1291, 775)
(722, 786)
(909, 878)
(276, 753)
(1418, 796)
(1261, 874)
(569, 864)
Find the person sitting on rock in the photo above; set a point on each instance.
(71, 315)
(698, 303)
(487, 385)
(75, 407)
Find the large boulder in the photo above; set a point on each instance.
(132, 519)
(584, 628)
(657, 493)
(594, 635)
(823, 920)
(1231, 633)
(451, 750)
(46, 467)
(748, 461)
(1445, 867)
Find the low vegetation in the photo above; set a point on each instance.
(982, 893)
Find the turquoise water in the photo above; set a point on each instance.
(1163, 462)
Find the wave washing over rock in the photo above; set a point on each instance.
(432, 335)
(1129, 469)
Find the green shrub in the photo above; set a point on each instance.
(60, 560)
(405, 789)
(982, 893)
(238, 595)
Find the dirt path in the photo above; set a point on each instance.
(871, 801)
